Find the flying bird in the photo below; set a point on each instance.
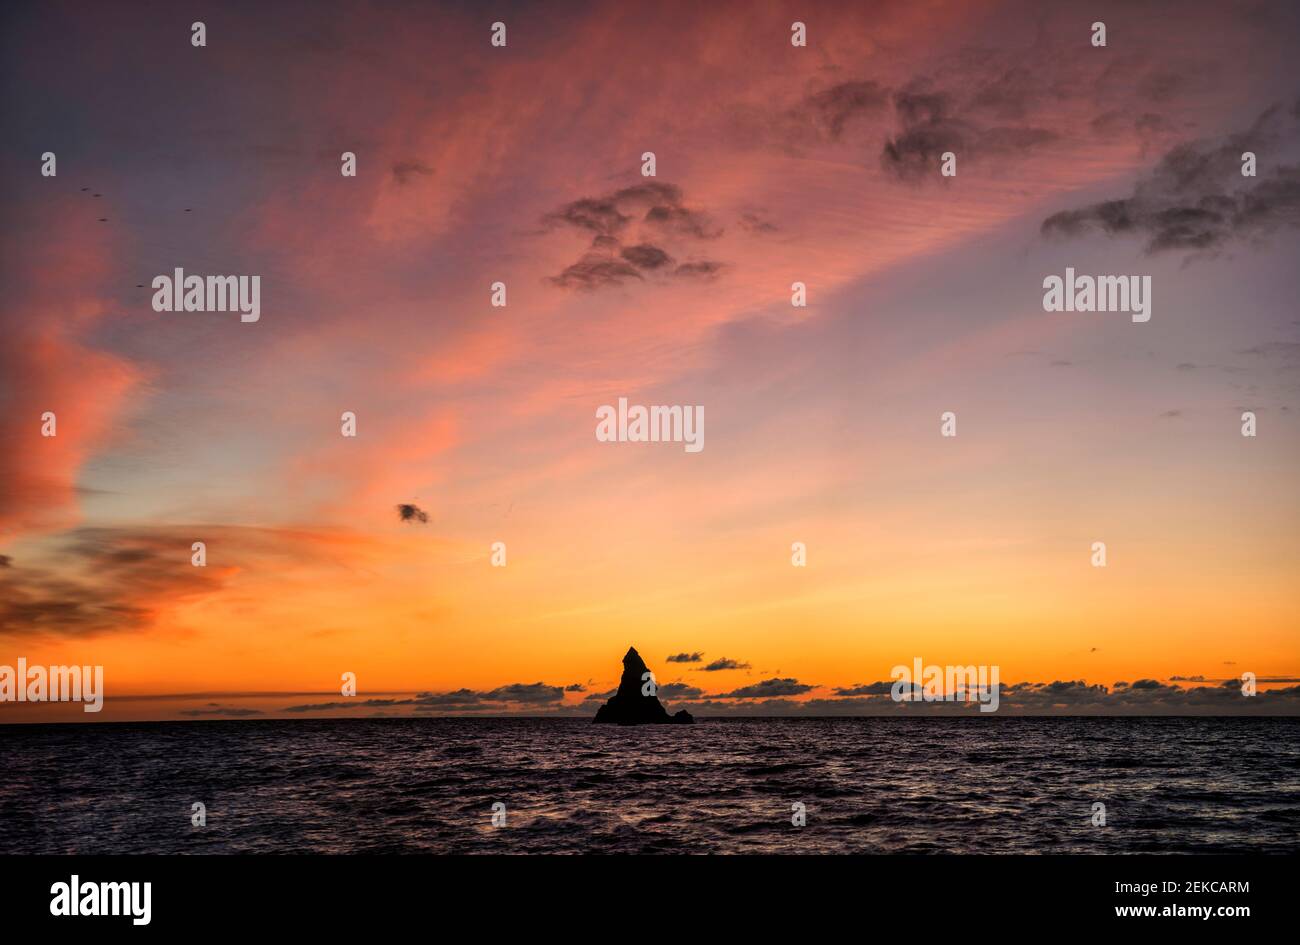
(412, 513)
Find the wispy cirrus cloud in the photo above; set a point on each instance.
(98, 580)
(48, 365)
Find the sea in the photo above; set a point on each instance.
(763, 785)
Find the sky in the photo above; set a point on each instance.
(774, 164)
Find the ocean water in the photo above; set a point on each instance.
(970, 785)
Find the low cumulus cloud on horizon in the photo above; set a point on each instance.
(776, 697)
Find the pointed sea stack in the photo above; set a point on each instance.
(629, 707)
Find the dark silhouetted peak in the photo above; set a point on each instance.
(631, 705)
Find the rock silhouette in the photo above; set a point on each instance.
(629, 707)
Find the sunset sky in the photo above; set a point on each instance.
(775, 164)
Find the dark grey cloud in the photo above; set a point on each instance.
(1060, 697)
(927, 121)
(646, 256)
(595, 272)
(599, 215)
(1146, 696)
(929, 125)
(977, 102)
(703, 269)
(1142, 685)
(676, 690)
(722, 663)
(1195, 199)
(513, 697)
(216, 709)
(775, 697)
(412, 513)
(575, 687)
(610, 215)
(5, 561)
(406, 171)
(757, 223)
(685, 658)
(834, 107)
(684, 221)
(348, 704)
(767, 689)
(928, 131)
(1059, 687)
(627, 227)
(530, 693)
(456, 699)
(868, 689)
